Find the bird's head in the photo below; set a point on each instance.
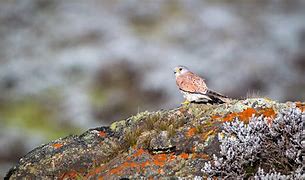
(179, 70)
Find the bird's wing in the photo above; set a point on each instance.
(213, 93)
(192, 83)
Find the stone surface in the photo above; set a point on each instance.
(186, 142)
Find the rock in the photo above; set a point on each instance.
(252, 138)
(161, 142)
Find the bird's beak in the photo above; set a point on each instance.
(176, 70)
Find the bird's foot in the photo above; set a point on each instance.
(186, 102)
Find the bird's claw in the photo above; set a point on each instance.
(186, 102)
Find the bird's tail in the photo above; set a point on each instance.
(217, 97)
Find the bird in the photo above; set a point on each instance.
(194, 88)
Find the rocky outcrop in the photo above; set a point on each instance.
(252, 138)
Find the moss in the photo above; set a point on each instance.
(116, 125)
(238, 107)
(198, 110)
(142, 115)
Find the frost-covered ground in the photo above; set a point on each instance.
(56, 53)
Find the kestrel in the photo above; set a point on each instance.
(194, 88)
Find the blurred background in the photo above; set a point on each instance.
(66, 66)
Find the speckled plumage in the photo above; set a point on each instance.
(194, 88)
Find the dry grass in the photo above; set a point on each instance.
(156, 122)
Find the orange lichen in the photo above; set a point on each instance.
(230, 117)
(123, 166)
(172, 157)
(128, 158)
(130, 164)
(246, 114)
(144, 164)
(191, 132)
(139, 152)
(243, 116)
(268, 112)
(99, 169)
(96, 171)
(301, 106)
(102, 134)
(201, 156)
(215, 117)
(57, 145)
(184, 155)
(116, 170)
(159, 159)
(69, 175)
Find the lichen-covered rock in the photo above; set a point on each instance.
(252, 138)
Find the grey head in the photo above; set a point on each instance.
(179, 70)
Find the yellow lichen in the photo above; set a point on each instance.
(114, 126)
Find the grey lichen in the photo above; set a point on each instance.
(260, 174)
(277, 146)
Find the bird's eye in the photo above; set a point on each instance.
(180, 69)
